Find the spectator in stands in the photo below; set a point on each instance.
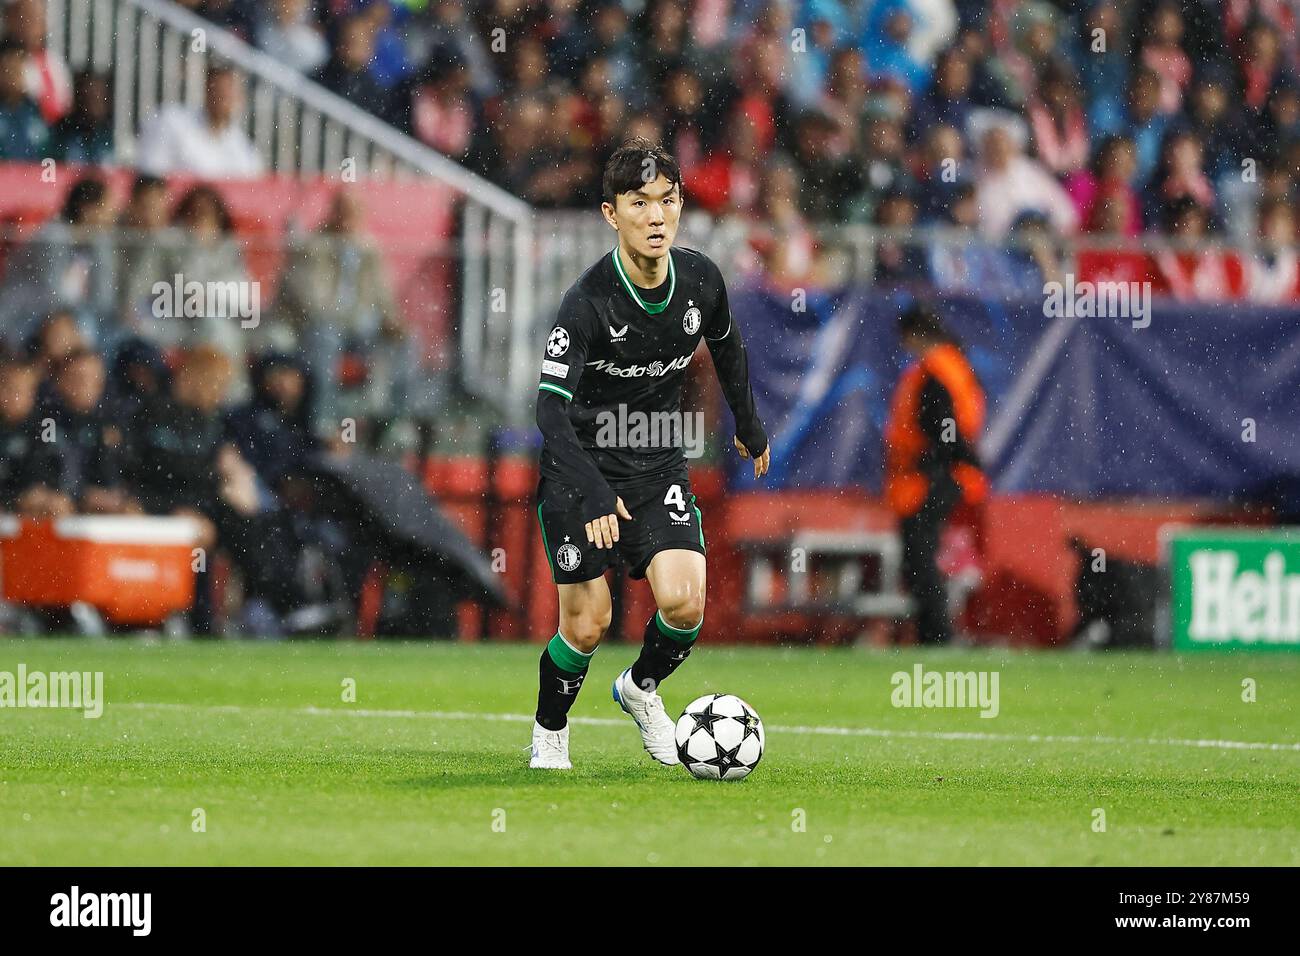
(1025, 39)
(898, 261)
(1059, 125)
(846, 92)
(274, 431)
(1103, 60)
(212, 256)
(67, 264)
(90, 443)
(728, 180)
(1110, 182)
(24, 137)
(788, 244)
(389, 65)
(1163, 54)
(55, 337)
(1213, 120)
(182, 462)
(287, 33)
(948, 100)
(1009, 183)
(85, 135)
(30, 466)
(1178, 176)
(209, 141)
(887, 40)
(1260, 66)
(139, 377)
(665, 42)
(1282, 115)
(47, 79)
(1109, 214)
(1273, 271)
(1144, 123)
(818, 160)
(347, 73)
(437, 109)
(810, 68)
(139, 249)
(990, 79)
(1033, 260)
(940, 172)
(688, 120)
(970, 264)
(234, 15)
(336, 299)
(444, 29)
(1188, 275)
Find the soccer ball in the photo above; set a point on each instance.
(719, 737)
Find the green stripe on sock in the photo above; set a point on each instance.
(686, 636)
(566, 656)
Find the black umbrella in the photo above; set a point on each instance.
(404, 519)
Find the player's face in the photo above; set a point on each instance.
(646, 220)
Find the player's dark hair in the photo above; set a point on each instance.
(920, 321)
(636, 163)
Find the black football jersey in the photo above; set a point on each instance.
(615, 348)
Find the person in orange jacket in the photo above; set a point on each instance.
(931, 463)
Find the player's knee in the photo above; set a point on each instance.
(684, 612)
(585, 631)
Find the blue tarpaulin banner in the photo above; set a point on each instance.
(1201, 402)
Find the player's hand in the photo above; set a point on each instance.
(761, 463)
(603, 531)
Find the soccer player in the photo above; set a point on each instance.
(618, 352)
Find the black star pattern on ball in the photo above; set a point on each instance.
(705, 719)
(726, 759)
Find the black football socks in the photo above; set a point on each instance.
(561, 672)
(662, 652)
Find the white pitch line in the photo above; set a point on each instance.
(777, 729)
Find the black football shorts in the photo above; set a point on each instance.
(664, 517)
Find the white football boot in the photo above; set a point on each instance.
(550, 748)
(647, 709)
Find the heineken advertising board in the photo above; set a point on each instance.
(1234, 588)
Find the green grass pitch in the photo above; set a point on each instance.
(429, 766)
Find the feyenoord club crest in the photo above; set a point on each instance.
(558, 343)
(691, 320)
(568, 557)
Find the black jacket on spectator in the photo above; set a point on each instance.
(275, 444)
(26, 461)
(173, 458)
(125, 399)
(358, 88)
(91, 450)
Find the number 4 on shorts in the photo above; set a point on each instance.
(674, 498)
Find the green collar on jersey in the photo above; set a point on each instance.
(654, 308)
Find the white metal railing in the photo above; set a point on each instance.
(156, 52)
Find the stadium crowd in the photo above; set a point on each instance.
(1042, 118)
(1028, 118)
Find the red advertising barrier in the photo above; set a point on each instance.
(1211, 276)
